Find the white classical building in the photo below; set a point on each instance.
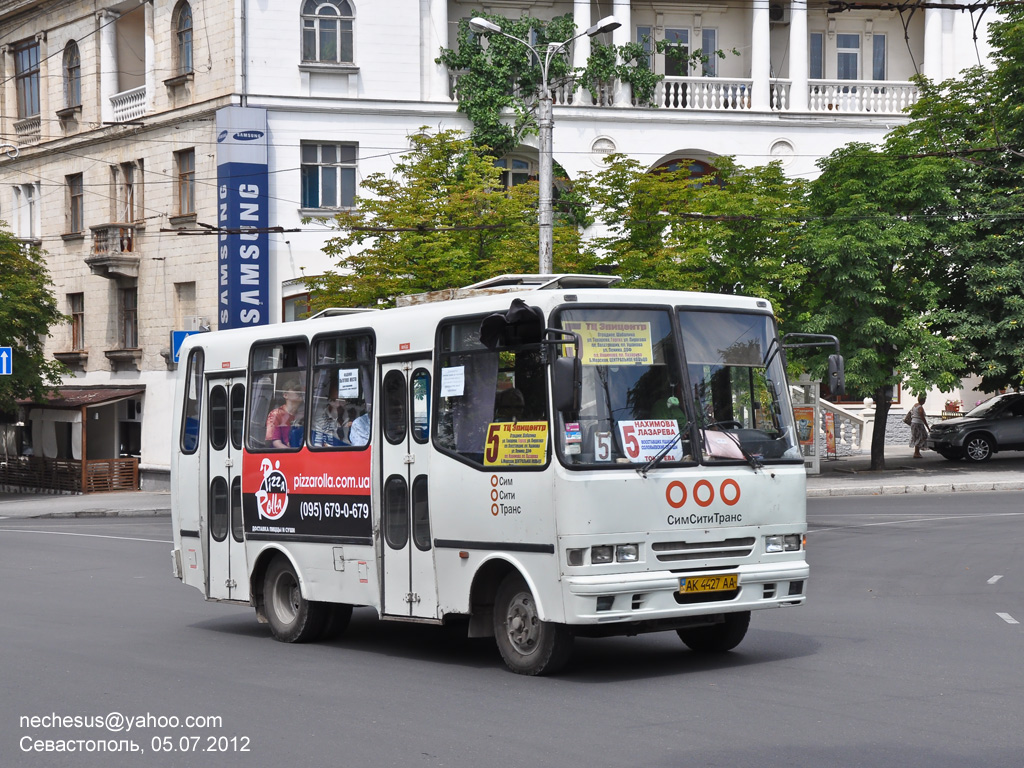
(150, 148)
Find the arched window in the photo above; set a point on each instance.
(700, 170)
(72, 75)
(327, 32)
(183, 39)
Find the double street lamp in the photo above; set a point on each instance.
(545, 124)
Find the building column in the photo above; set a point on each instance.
(760, 57)
(106, 22)
(433, 37)
(581, 18)
(150, 34)
(9, 105)
(798, 56)
(931, 67)
(45, 71)
(622, 11)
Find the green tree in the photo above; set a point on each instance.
(732, 233)
(974, 122)
(27, 312)
(874, 246)
(440, 219)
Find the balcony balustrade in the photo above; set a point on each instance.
(129, 105)
(114, 252)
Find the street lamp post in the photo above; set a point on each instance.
(545, 125)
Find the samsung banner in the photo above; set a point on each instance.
(243, 258)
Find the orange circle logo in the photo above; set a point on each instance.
(682, 494)
(696, 493)
(730, 483)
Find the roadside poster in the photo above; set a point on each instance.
(830, 433)
(805, 430)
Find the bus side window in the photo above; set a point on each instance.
(192, 411)
(262, 392)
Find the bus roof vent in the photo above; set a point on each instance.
(339, 311)
(545, 282)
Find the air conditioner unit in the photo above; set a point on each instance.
(194, 323)
(778, 13)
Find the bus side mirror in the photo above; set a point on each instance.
(837, 374)
(568, 383)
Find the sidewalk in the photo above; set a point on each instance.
(116, 504)
(851, 476)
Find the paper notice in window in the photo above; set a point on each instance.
(348, 383)
(608, 343)
(453, 381)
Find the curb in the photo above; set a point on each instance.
(102, 513)
(893, 490)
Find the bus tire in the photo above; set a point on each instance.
(292, 618)
(718, 638)
(528, 645)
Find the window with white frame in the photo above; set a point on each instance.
(878, 68)
(127, 180)
(72, 68)
(183, 39)
(27, 223)
(708, 46)
(327, 32)
(328, 175)
(816, 55)
(26, 77)
(847, 56)
(677, 52)
(515, 171)
(76, 204)
(645, 37)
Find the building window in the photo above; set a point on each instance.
(76, 308)
(183, 39)
(76, 204)
(129, 318)
(327, 32)
(127, 178)
(878, 57)
(847, 57)
(329, 175)
(295, 307)
(816, 70)
(646, 40)
(677, 52)
(27, 217)
(26, 76)
(186, 166)
(708, 46)
(515, 171)
(72, 76)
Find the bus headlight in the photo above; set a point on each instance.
(602, 554)
(790, 542)
(574, 556)
(627, 553)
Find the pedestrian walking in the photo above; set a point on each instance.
(918, 428)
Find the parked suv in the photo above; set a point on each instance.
(995, 425)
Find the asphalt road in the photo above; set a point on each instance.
(907, 654)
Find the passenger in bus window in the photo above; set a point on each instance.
(327, 430)
(359, 432)
(284, 424)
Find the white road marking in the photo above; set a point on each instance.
(994, 579)
(820, 531)
(87, 535)
(1007, 618)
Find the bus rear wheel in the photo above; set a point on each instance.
(528, 645)
(292, 618)
(718, 638)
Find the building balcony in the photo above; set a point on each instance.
(114, 252)
(129, 105)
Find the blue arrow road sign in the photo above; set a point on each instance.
(6, 361)
(176, 338)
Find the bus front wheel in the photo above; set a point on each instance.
(292, 618)
(528, 645)
(718, 638)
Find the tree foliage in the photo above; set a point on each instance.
(440, 219)
(734, 233)
(28, 310)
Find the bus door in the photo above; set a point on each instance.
(410, 587)
(226, 570)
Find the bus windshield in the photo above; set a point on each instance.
(706, 394)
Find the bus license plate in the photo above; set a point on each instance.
(725, 582)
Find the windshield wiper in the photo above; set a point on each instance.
(642, 471)
(752, 460)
